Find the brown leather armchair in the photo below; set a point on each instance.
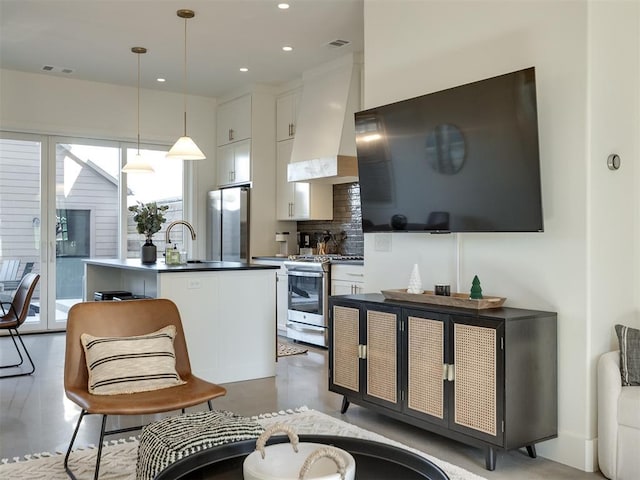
(125, 319)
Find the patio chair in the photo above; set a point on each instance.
(15, 315)
(9, 270)
(12, 284)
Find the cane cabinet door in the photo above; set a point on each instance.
(381, 354)
(346, 350)
(477, 401)
(426, 366)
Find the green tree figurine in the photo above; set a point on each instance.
(476, 289)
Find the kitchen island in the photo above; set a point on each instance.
(228, 309)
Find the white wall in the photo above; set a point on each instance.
(48, 104)
(582, 266)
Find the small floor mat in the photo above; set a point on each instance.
(286, 349)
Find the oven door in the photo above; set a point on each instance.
(306, 297)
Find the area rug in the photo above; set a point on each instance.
(119, 458)
(286, 349)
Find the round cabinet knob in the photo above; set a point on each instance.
(613, 161)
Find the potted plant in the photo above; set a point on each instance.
(149, 218)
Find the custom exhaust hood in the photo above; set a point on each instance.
(324, 148)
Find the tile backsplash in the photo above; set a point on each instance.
(346, 225)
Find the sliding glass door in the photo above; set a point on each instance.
(23, 246)
(63, 200)
(85, 218)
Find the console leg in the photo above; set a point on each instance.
(531, 450)
(345, 405)
(490, 459)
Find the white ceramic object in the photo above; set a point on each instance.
(293, 461)
(415, 283)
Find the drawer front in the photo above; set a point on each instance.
(350, 273)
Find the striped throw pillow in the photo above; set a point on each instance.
(629, 341)
(131, 364)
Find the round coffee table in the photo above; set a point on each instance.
(374, 460)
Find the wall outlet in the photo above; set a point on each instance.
(382, 242)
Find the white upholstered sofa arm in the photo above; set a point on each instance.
(609, 389)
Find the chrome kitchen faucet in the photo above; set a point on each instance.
(167, 239)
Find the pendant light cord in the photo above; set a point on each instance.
(138, 104)
(184, 81)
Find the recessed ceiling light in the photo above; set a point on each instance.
(244, 69)
(161, 80)
(287, 48)
(283, 6)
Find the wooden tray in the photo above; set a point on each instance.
(460, 300)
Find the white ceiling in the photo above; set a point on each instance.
(94, 39)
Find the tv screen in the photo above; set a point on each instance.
(463, 159)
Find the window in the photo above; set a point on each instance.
(164, 187)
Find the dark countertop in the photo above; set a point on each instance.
(334, 262)
(161, 267)
(272, 259)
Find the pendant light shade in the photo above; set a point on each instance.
(138, 164)
(185, 148)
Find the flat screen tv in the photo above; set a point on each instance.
(464, 159)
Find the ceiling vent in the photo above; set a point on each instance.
(54, 69)
(338, 43)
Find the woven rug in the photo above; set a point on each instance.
(286, 349)
(119, 458)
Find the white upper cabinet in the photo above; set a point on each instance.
(234, 163)
(234, 120)
(299, 200)
(287, 115)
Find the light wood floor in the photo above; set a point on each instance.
(35, 416)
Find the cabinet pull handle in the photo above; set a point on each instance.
(362, 351)
(451, 373)
(293, 129)
(230, 134)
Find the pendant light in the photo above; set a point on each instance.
(185, 148)
(138, 164)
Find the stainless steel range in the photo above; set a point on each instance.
(309, 280)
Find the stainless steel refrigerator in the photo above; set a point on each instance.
(228, 224)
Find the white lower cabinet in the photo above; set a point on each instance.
(347, 279)
(282, 300)
(282, 294)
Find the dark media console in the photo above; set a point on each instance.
(487, 378)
